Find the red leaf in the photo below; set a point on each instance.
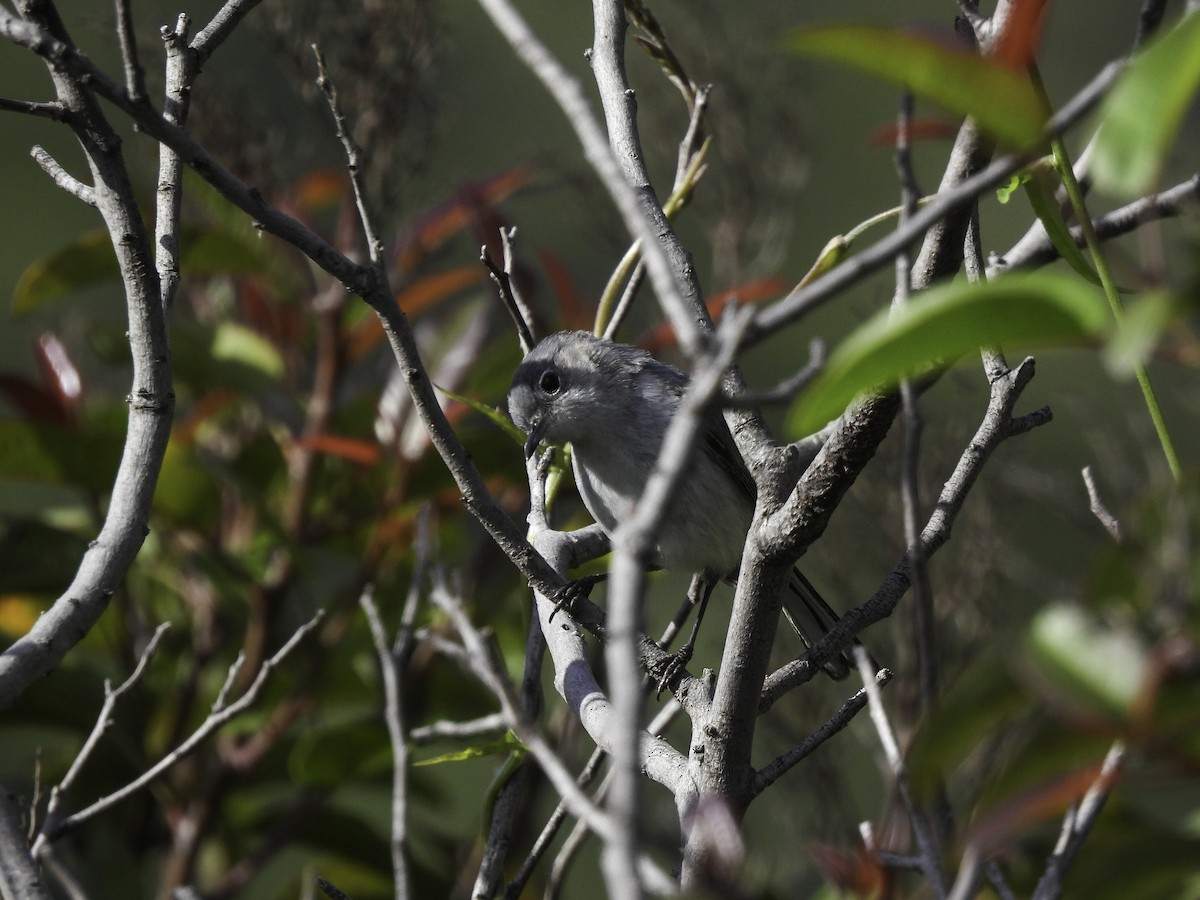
(442, 222)
(573, 312)
(365, 453)
(663, 335)
(1017, 45)
(918, 130)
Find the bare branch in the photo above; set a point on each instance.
(135, 76)
(998, 424)
(52, 111)
(490, 725)
(222, 25)
(770, 773)
(516, 307)
(393, 716)
(151, 399)
(353, 161)
(180, 74)
(220, 715)
(63, 178)
(19, 875)
(922, 829)
(103, 722)
(1035, 249)
(1078, 825)
(1099, 510)
(482, 663)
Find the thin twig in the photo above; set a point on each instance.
(135, 76)
(770, 773)
(180, 75)
(786, 390)
(998, 424)
(354, 160)
(54, 111)
(1099, 510)
(393, 716)
(926, 842)
(910, 454)
(480, 659)
(62, 177)
(490, 725)
(215, 720)
(1078, 825)
(517, 311)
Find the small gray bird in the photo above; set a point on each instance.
(613, 404)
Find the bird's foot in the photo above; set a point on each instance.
(574, 590)
(675, 664)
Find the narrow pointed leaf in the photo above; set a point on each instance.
(942, 324)
(1001, 100)
(1041, 198)
(1140, 118)
(491, 412)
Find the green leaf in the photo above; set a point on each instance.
(1096, 666)
(1041, 198)
(89, 261)
(1002, 101)
(943, 323)
(234, 343)
(1140, 118)
(85, 262)
(510, 743)
(492, 412)
(1005, 191)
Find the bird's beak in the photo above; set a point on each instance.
(535, 437)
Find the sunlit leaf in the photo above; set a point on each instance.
(1140, 118)
(238, 344)
(1100, 667)
(1041, 197)
(510, 743)
(494, 414)
(943, 323)
(1001, 100)
(1005, 192)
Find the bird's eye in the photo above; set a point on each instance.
(549, 382)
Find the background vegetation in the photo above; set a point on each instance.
(298, 472)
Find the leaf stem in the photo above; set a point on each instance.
(1066, 171)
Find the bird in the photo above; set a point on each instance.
(613, 403)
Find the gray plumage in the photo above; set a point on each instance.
(613, 404)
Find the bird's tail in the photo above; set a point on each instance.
(811, 618)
